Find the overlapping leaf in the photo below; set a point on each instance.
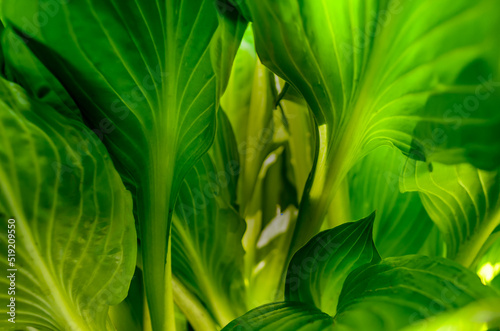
(377, 295)
(380, 71)
(249, 103)
(75, 241)
(143, 77)
(282, 316)
(318, 270)
(400, 291)
(402, 225)
(207, 254)
(464, 203)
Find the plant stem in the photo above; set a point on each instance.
(469, 250)
(193, 309)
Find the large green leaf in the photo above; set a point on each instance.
(75, 241)
(318, 270)
(464, 203)
(207, 254)
(402, 225)
(282, 316)
(400, 291)
(143, 77)
(385, 72)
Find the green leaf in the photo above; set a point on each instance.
(227, 38)
(143, 77)
(464, 203)
(477, 316)
(400, 291)
(128, 315)
(75, 241)
(487, 264)
(402, 225)
(249, 103)
(207, 254)
(270, 216)
(301, 140)
(317, 271)
(282, 316)
(385, 72)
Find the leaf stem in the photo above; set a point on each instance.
(469, 250)
(193, 309)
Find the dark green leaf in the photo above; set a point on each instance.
(282, 316)
(142, 75)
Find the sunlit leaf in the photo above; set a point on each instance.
(385, 72)
(400, 291)
(464, 203)
(75, 241)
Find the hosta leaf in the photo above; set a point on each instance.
(385, 72)
(402, 225)
(282, 316)
(477, 316)
(207, 255)
(400, 291)
(318, 270)
(464, 203)
(143, 77)
(74, 227)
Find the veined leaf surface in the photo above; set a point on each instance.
(402, 225)
(207, 254)
(143, 76)
(400, 291)
(385, 72)
(463, 202)
(282, 316)
(75, 241)
(317, 271)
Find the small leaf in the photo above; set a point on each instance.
(282, 316)
(317, 271)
